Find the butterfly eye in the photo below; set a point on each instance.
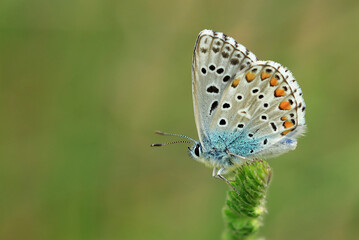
(196, 150)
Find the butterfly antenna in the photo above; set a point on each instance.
(169, 143)
(175, 135)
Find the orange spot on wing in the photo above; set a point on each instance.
(250, 76)
(285, 105)
(279, 92)
(265, 75)
(235, 82)
(288, 124)
(286, 132)
(283, 118)
(274, 82)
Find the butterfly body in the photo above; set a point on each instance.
(244, 108)
(222, 149)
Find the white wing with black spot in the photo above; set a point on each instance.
(217, 61)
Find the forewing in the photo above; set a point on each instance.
(217, 59)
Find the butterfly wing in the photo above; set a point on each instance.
(261, 112)
(217, 59)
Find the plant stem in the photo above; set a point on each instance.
(243, 214)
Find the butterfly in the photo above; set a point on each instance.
(245, 109)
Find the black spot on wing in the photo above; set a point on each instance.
(225, 54)
(234, 61)
(213, 107)
(222, 122)
(203, 50)
(226, 105)
(273, 126)
(212, 89)
(226, 78)
(220, 70)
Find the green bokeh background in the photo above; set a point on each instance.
(84, 84)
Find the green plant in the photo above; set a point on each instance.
(243, 213)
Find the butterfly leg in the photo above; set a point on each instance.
(214, 172)
(220, 176)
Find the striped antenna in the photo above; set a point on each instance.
(175, 135)
(169, 143)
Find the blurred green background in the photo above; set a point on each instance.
(84, 84)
